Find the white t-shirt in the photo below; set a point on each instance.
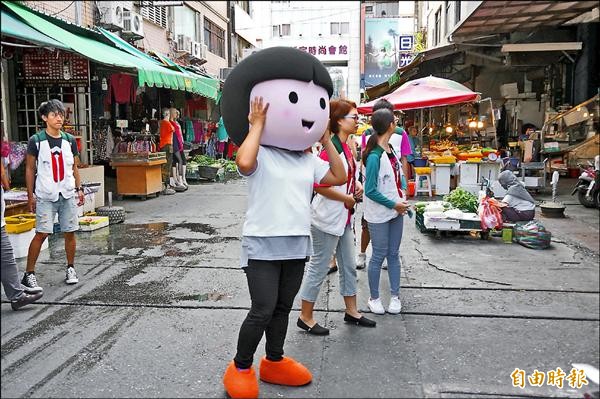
(279, 193)
(396, 142)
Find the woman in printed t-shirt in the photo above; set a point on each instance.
(384, 209)
(331, 230)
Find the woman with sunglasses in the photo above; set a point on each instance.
(331, 227)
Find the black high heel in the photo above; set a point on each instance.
(362, 321)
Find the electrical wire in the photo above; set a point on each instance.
(56, 13)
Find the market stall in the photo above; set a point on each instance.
(453, 123)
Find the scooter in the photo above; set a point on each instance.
(588, 184)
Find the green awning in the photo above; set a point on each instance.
(149, 73)
(202, 85)
(12, 27)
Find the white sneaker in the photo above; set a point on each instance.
(71, 276)
(395, 305)
(361, 261)
(376, 306)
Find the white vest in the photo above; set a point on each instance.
(54, 172)
(328, 215)
(386, 185)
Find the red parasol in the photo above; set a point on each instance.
(425, 92)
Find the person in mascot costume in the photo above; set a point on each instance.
(275, 106)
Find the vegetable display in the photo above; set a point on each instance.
(463, 200)
(205, 160)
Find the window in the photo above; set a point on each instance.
(244, 5)
(282, 30)
(456, 12)
(436, 28)
(214, 38)
(198, 27)
(155, 14)
(447, 15)
(340, 28)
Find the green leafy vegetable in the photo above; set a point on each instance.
(463, 200)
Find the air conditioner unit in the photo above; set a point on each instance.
(198, 50)
(133, 25)
(111, 14)
(184, 44)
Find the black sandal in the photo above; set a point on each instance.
(315, 330)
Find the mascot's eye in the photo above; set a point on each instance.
(293, 97)
(322, 103)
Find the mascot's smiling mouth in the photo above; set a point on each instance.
(307, 124)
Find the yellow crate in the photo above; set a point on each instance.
(20, 223)
(423, 170)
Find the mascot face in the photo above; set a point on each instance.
(296, 86)
(298, 113)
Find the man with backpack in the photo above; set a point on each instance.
(53, 187)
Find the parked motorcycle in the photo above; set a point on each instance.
(588, 184)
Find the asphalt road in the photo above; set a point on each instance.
(161, 299)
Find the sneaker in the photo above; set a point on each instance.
(25, 300)
(167, 191)
(395, 305)
(361, 261)
(71, 277)
(30, 283)
(384, 264)
(376, 306)
(179, 188)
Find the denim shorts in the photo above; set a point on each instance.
(45, 212)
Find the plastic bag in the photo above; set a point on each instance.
(490, 215)
(532, 235)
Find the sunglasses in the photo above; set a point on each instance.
(355, 117)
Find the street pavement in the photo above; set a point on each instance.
(161, 297)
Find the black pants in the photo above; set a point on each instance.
(273, 286)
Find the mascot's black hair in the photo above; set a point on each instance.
(264, 65)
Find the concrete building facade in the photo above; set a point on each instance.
(328, 30)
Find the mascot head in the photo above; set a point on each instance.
(297, 87)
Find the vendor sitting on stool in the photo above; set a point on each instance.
(520, 205)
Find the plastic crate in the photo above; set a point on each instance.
(20, 223)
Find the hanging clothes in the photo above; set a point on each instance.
(190, 135)
(123, 88)
(221, 132)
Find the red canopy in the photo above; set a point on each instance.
(425, 92)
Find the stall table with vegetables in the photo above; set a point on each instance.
(457, 212)
(208, 168)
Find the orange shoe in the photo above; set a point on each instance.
(240, 384)
(284, 372)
